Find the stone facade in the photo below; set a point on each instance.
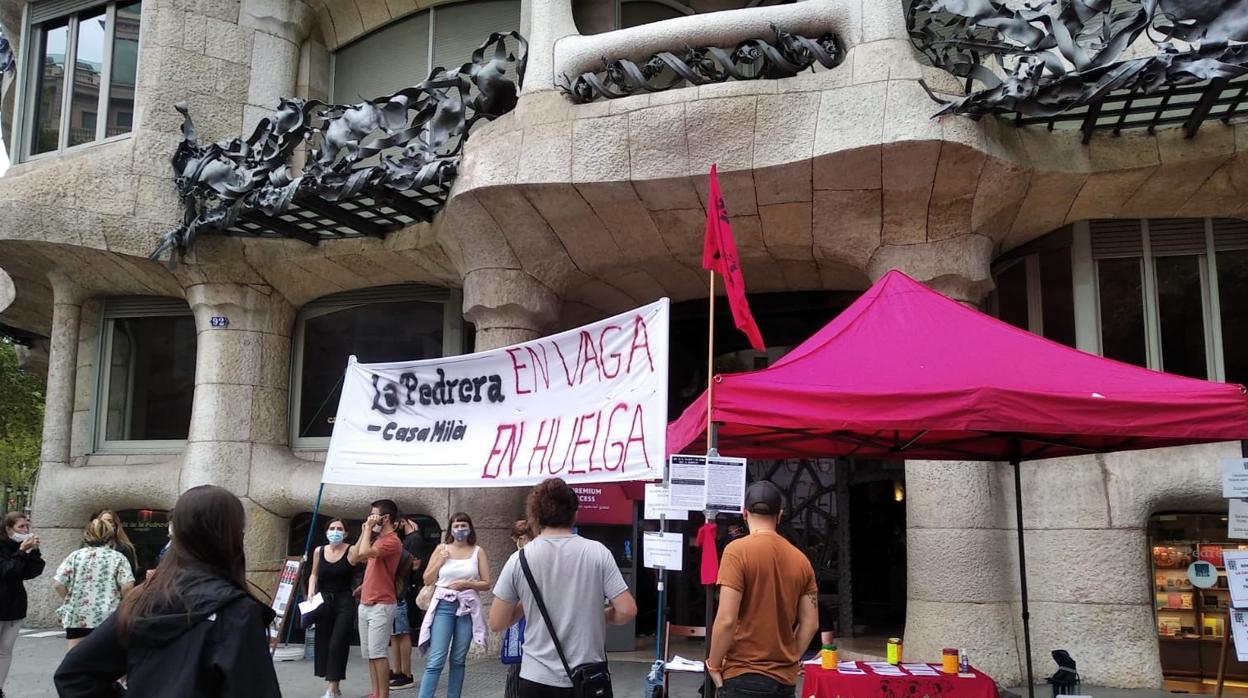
(564, 213)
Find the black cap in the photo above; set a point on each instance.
(764, 498)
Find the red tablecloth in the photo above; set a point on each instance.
(820, 683)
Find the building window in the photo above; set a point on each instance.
(80, 64)
(1035, 289)
(1167, 294)
(1120, 285)
(597, 16)
(147, 373)
(403, 53)
(397, 323)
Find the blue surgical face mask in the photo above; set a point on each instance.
(335, 537)
(461, 534)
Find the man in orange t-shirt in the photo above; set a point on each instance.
(768, 606)
(379, 545)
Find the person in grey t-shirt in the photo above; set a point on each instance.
(580, 584)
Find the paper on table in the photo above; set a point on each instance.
(311, 604)
(849, 668)
(919, 670)
(966, 676)
(679, 663)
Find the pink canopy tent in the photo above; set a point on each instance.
(905, 372)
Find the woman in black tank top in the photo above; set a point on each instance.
(333, 578)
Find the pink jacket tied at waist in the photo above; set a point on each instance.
(469, 603)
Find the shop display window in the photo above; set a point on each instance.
(1191, 622)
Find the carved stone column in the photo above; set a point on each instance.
(961, 579)
(241, 400)
(507, 306)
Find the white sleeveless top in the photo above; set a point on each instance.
(467, 569)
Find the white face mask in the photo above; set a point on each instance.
(376, 529)
(21, 537)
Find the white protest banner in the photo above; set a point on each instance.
(686, 477)
(1236, 562)
(658, 504)
(1237, 518)
(1235, 477)
(587, 405)
(664, 550)
(725, 484)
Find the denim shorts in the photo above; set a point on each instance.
(401, 623)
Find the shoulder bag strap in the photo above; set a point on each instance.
(541, 606)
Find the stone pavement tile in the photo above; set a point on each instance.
(36, 658)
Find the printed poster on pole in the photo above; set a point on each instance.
(587, 405)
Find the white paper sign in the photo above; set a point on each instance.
(587, 405)
(657, 506)
(665, 550)
(1235, 477)
(686, 477)
(725, 484)
(1237, 518)
(1239, 631)
(1236, 562)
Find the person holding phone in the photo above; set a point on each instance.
(20, 560)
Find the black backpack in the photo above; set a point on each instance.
(1066, 675)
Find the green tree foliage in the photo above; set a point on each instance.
(21, 421)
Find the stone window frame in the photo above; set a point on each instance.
(124, 307)
(33, 15)
(454, 333)
(1089, 244)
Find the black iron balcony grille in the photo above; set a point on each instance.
(1061, 64)
(367, 169)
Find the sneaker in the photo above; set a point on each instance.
(402, 681)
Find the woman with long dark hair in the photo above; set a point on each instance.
(333, 577)
(193, 629)
(459, 571)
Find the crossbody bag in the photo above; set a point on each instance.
(592, 680)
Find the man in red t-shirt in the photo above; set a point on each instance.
(379, 545)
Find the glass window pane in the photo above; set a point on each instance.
(1122, 310)
(87, 74)
(459, 29)
(376, 332)
(383, 62)
(1012, 295)
(1057, 296)
(1182, 316)
(50, 86)
(151, 378)
(1233, 297)
(124, 70)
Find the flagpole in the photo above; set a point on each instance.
(710, 359)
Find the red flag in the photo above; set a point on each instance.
(719, 254)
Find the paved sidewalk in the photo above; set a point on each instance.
(35, 658)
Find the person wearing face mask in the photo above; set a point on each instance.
(332, 577)
(459, 570)
(381, 549)
(19, 560)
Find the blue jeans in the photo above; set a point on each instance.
(755, 686)
(449, 634)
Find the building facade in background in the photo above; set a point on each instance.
(223, 368)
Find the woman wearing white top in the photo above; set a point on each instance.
(459, 570)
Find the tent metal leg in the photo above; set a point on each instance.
(1022, 575)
